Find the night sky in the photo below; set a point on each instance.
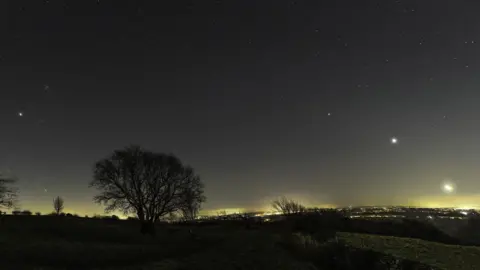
(263, 98)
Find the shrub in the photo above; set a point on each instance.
(26, 213)
(38, 213)
(288, 206)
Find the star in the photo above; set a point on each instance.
(20, 114)
(393, 140)
(329, 114)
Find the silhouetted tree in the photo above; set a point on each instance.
(149, 184)
(38, 213)
(26, 213)
(191, 205)
(16, 212)
(58, 205)
(288, 206)
(8, 194)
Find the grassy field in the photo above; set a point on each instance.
(29, 242)
(430, 253)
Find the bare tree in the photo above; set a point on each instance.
(191, 205)
(288, 206)
(149, 184)
(58, 205)
(8, 194)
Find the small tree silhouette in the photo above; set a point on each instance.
(58, 205)
(288, 206)
(8, 194)
(26, 213)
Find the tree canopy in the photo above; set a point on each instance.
(152, 185)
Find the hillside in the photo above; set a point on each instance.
(430, 253)
(79, 243)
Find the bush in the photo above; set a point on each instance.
(38, 213)
(288, 206)
(26, 213)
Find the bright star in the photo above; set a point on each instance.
(20, 114)
(393, 140)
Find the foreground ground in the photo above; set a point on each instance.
(75, 243)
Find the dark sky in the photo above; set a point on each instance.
(262, 98)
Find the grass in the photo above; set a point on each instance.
(74, 243)
(49, 243)
(434, 254)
